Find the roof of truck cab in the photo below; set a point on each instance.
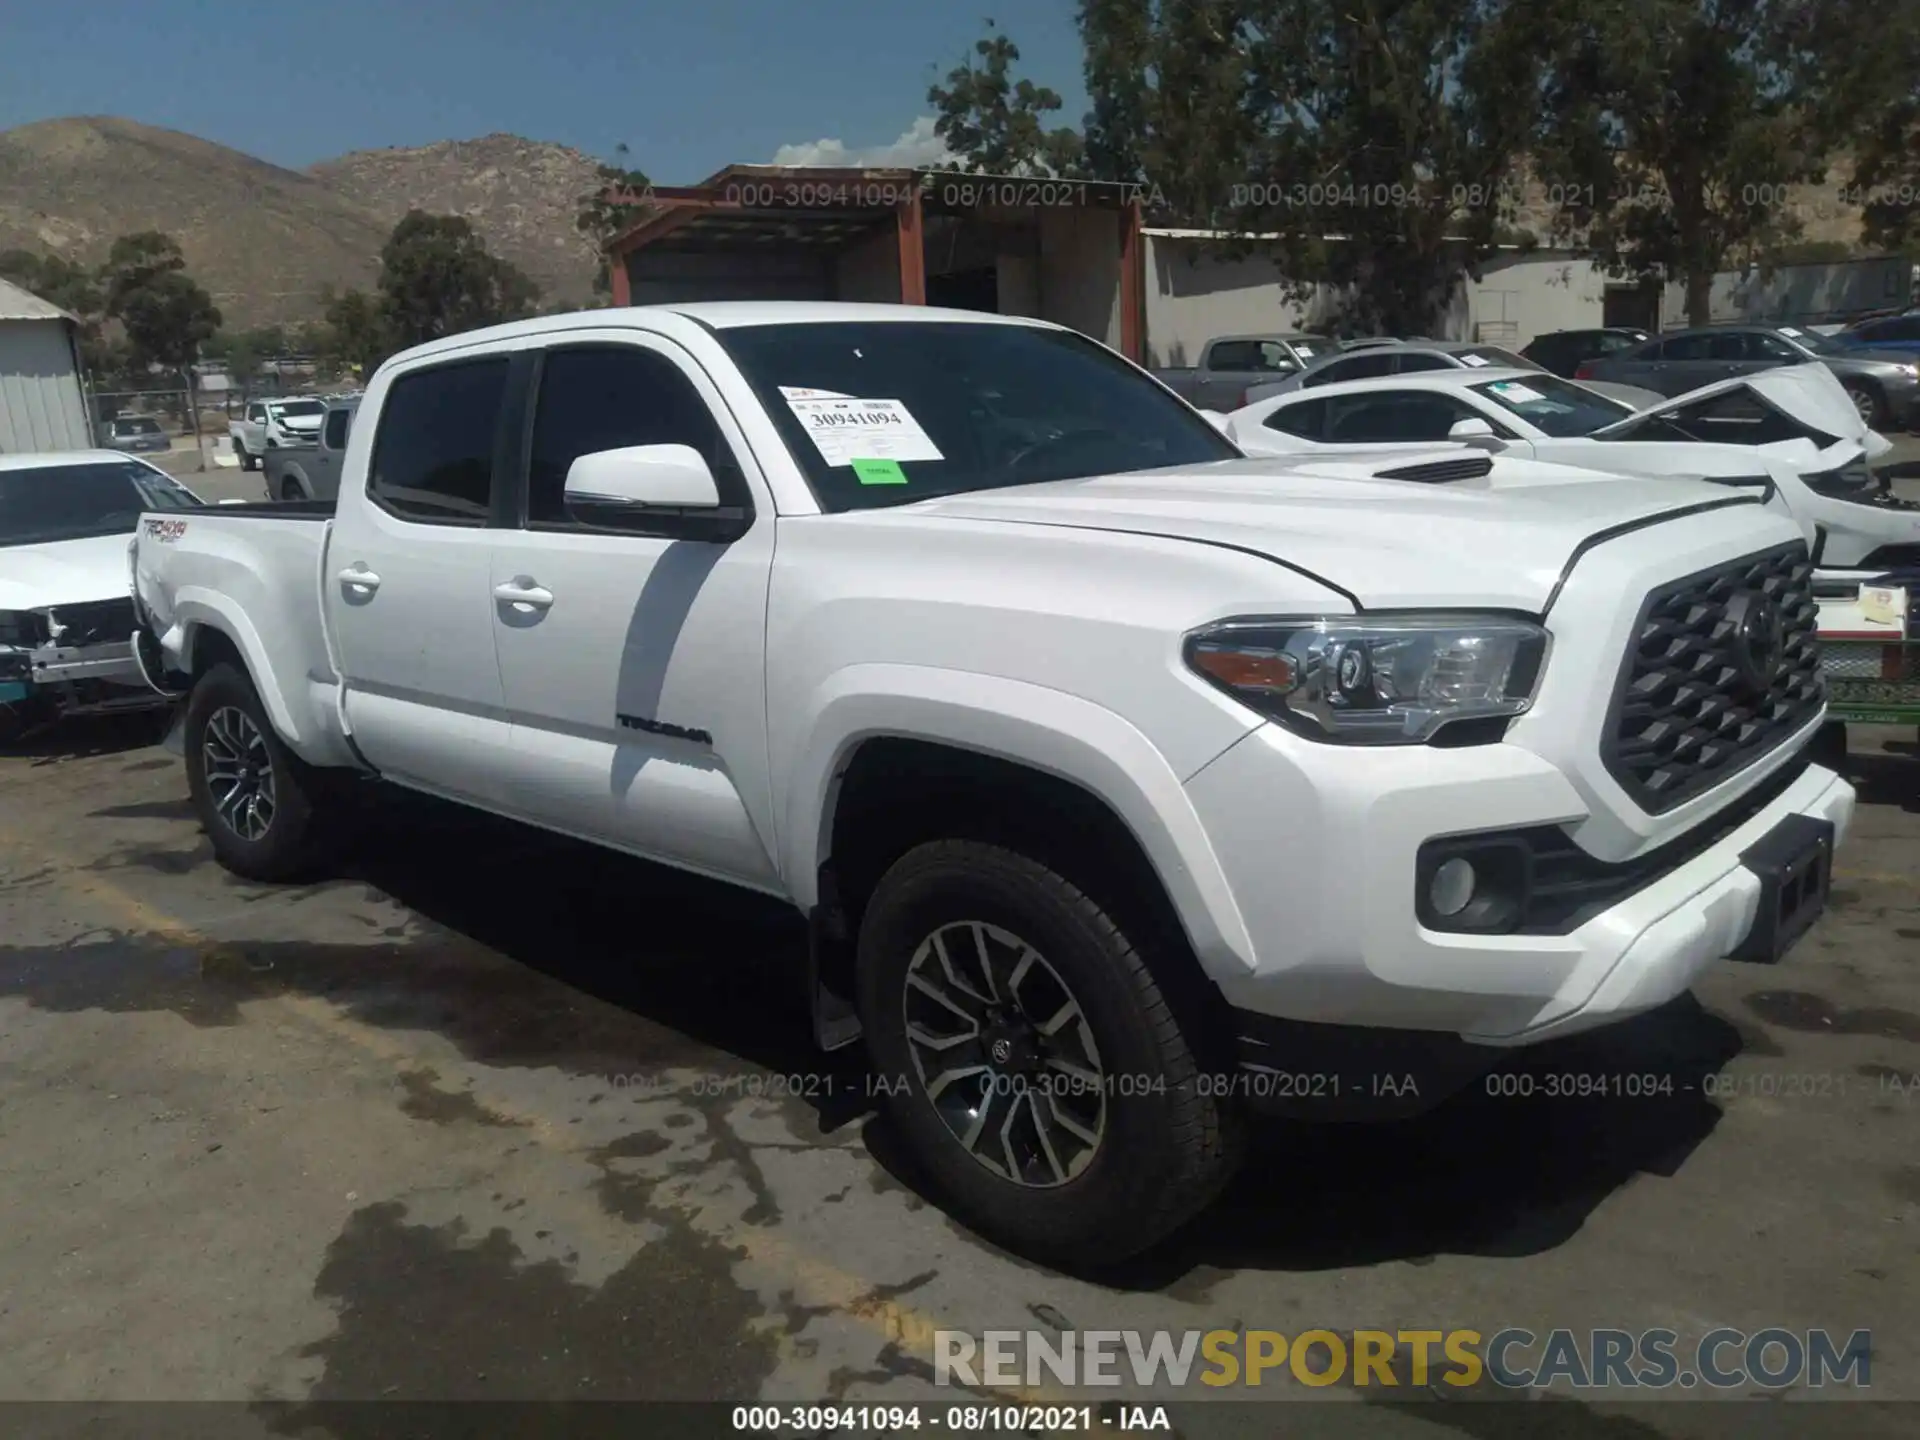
(719, 315)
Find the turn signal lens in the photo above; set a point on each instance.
(1269, 672)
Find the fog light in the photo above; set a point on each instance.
(1452, 886)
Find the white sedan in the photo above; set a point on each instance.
(66, 616)
(1793, 427)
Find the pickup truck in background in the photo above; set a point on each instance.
(1126, 784)
(312, 471)
(1232, 364)
(270, 424)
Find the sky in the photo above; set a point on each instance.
(688, 86)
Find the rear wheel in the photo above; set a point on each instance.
(1030, 1060)
(254, 797)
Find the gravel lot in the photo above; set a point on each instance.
(491, 1115)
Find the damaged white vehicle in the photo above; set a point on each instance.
(1794, 429)
(66, 618)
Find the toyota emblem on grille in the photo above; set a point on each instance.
(1759, 639)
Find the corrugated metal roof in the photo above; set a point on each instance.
(18, 304)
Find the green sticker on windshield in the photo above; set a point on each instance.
(879, 472)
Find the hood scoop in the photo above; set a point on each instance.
(1441, 472)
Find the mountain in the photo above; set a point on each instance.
(261, 239)
(521, 195)
(264, 240)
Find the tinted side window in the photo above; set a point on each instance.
(1232, 355)
(607, 398)
(1739, 346)
(433, 452)
(1907, 327)
(1308, 419)
(1761, 346)
(336, 435)
(1397, 416)
(1360, 367)
(1411, 363)
(1687, 347)
(1605, 344)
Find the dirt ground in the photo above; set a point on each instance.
(491, 1115)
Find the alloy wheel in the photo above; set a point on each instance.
(1005, 1054)
(239, 773)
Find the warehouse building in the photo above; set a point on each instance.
(42, 406)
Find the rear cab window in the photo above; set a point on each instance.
(433, 453)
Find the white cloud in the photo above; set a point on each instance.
(917, 146)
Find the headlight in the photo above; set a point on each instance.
(1374, 680)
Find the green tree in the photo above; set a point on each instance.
(615, 204)
(1382, 140)
(1168, 84)
(135, 261)
(437, 278)
(996, 125)
(1871, 92)
(56, 280)
(353, 333)
(1672, 129)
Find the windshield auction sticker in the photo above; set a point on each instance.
(847, 430)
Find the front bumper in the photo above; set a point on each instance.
(77, 680)
(1320, 846)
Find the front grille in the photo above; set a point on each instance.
(1698, 698)
(94, 623)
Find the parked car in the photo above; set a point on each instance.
(66, 620)
(1112, 770)
(312, 472)
(134, 433)
(270, 424)
(1394, 357)
(1791, 434)
(1233, 362)
(1893, 332)
(1883, 385)
(1561, 351)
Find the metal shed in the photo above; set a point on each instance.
(42, 406)
(1062, 250)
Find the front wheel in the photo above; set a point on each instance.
(1030, 1060)
(253, 795)
(1868, 403)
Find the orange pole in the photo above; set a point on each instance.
(1133, 285)
(913, 252)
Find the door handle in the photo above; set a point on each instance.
(360, 578)
(522, 591)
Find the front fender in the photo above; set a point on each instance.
(1026, 724)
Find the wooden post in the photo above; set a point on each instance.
(913, 252)
(1133, 285)
(617, 278)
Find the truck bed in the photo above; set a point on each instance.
(251, 573)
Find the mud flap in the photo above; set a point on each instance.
(175, 740)
(836, 1024)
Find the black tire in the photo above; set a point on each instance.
(247, 462)
(291, 489)
(1170, 1142)
(290, 843)
(1871, 404)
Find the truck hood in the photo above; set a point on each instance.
(1496, 542)
(1809, 394)
(63, 572)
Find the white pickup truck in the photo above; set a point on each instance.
(1126, 783)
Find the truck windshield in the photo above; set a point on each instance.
(298, 407)
(889, 412)
(47, 503)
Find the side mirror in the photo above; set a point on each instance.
(651, 490)
(1471, 428)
